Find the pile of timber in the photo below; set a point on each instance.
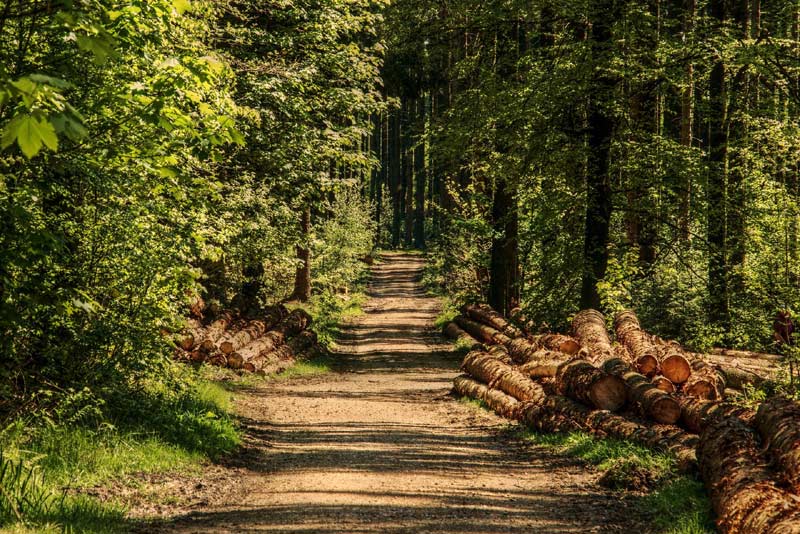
(648, 390)
(265, 343)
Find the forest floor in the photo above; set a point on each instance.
(379, 445)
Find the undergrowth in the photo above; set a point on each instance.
(333, 310)
(51, 457)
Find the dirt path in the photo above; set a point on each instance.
(380, 446)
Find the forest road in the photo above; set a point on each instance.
(379, 445)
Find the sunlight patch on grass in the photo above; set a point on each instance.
(47, 464)
(305, 369)
(474, 403)
(677, 504)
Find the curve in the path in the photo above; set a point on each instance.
(380, 446)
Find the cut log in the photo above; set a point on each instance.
(263, 361)
(697, 414)
(663, 383)
(589, 328)
(555, 413)
(559, 413)
(302, 341)
(495, 373)
(187, 339)
(542, 363)
(218, 359)
(275, 316)
(733, 353)
(214, 331)
(500, 352)
(267, 343)
(739, 374)
(197, 356)
(233, 341)
(757, 366)
(487, 315)
(559, 342)
(743, 493)
(234, 361)
(582, 381)
(521, 350)
(452, 331)
(674, 364)
(644, 353)
(778, 422)
(499, 402)
(705, 382)
(481, 332)
(654, 403)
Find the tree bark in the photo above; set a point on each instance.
(504, 290)
(778, 422)
(645, 354)
(718, 291)
(600, 127)
(743, 492)
(420, 175)
(488, 316)
(302, 277)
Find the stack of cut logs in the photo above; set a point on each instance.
(268, 343)
(648, 390)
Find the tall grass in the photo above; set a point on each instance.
(48, 461)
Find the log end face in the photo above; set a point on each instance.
(666, 410)
(569, 346)
(701, 389)
(676, 368)
(647, 365)
(609, 393)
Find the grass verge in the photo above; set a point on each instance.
(673, 503)
(315, 367)
(48, 461)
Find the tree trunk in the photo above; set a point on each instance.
(408, 171)
(687, 121)
(645, 354)
(481, 332)
(600, 130)
(579, 380)
(589, 328)
(697, 414)
(499, 402)
(504, 288)
(718, 291)
(456, 333)
(654, 403)
(420, 175)
(302, 277)
(395, 183)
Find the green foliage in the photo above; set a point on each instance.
(332, 310)
(341, 241)
(81, 441)
(154, 152)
